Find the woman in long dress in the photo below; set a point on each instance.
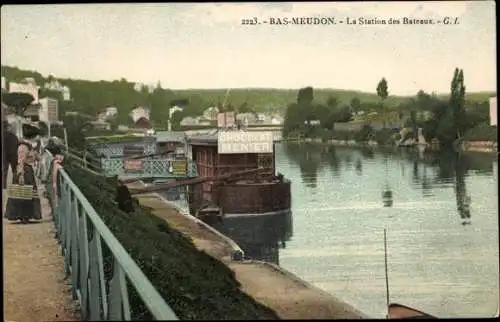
(9, 155)
(23, 207)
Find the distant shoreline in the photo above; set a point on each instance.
(467, 146)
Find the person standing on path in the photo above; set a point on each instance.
(9, 152)
(23, 202)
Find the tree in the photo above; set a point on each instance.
(382, 89)
(294, 120)
(305, 96)
(383, 93)
(298, 113)
(176, 119)
(457, 101)
(355, 104)
(19, 101)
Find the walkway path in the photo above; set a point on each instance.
(34, 285)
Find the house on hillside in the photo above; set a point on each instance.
(493, 111)
(246, 118)
(211, 113)
(49, 109)
(101, 116)
(138, 87)
(55, 85)
(27, 87)
(277, 120)
(263, 118)
(29, 81)
(101, 125)
(189, 121)
(139, 112)
(71, 113)
(142, 123)
(111, 111)
(174, 109)
(66, 94)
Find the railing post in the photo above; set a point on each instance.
(74, 229)
(84, 262)
(97, 288)
(119, 308)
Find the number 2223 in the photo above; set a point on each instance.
(249, 21)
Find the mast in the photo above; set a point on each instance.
(386, 272)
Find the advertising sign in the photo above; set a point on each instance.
(133, 165)
(232, 142)
(179, 167)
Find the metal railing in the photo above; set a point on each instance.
(75, 219)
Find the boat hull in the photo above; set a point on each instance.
(399, 311)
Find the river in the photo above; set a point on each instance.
(440, 212)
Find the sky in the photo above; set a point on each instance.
(205, 45)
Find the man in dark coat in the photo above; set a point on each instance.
(9, 155)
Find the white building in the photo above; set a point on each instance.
(4, 83)
(211, 113)
(493, 111)
(138, 87)
(246, 118)
(188, 120)
(111, 111)
(29, 88)
(262, 118)
(174, 109)
(29, 80)
(55, 85)
(277, 120)
(49, 109)
(139, 112)
(66, 93)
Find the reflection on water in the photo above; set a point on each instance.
(440, 211)
(260, 237)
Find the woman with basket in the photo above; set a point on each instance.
(23, 201)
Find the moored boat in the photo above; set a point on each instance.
(399, 311)
(229, 152)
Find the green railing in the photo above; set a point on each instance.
(81, 233)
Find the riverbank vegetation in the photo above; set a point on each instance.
(90, 97)
(447, 120)
(195, 285)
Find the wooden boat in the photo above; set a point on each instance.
(399, 311)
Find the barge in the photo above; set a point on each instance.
(221, 153)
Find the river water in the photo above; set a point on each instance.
(441, 224)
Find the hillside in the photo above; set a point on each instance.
(91, 96)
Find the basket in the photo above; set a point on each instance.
(17, 191)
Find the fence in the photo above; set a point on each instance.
(76, 220)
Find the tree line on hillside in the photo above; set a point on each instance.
(90, 97)
(447, 116)
(447, 120)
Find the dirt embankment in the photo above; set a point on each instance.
(279, 290)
